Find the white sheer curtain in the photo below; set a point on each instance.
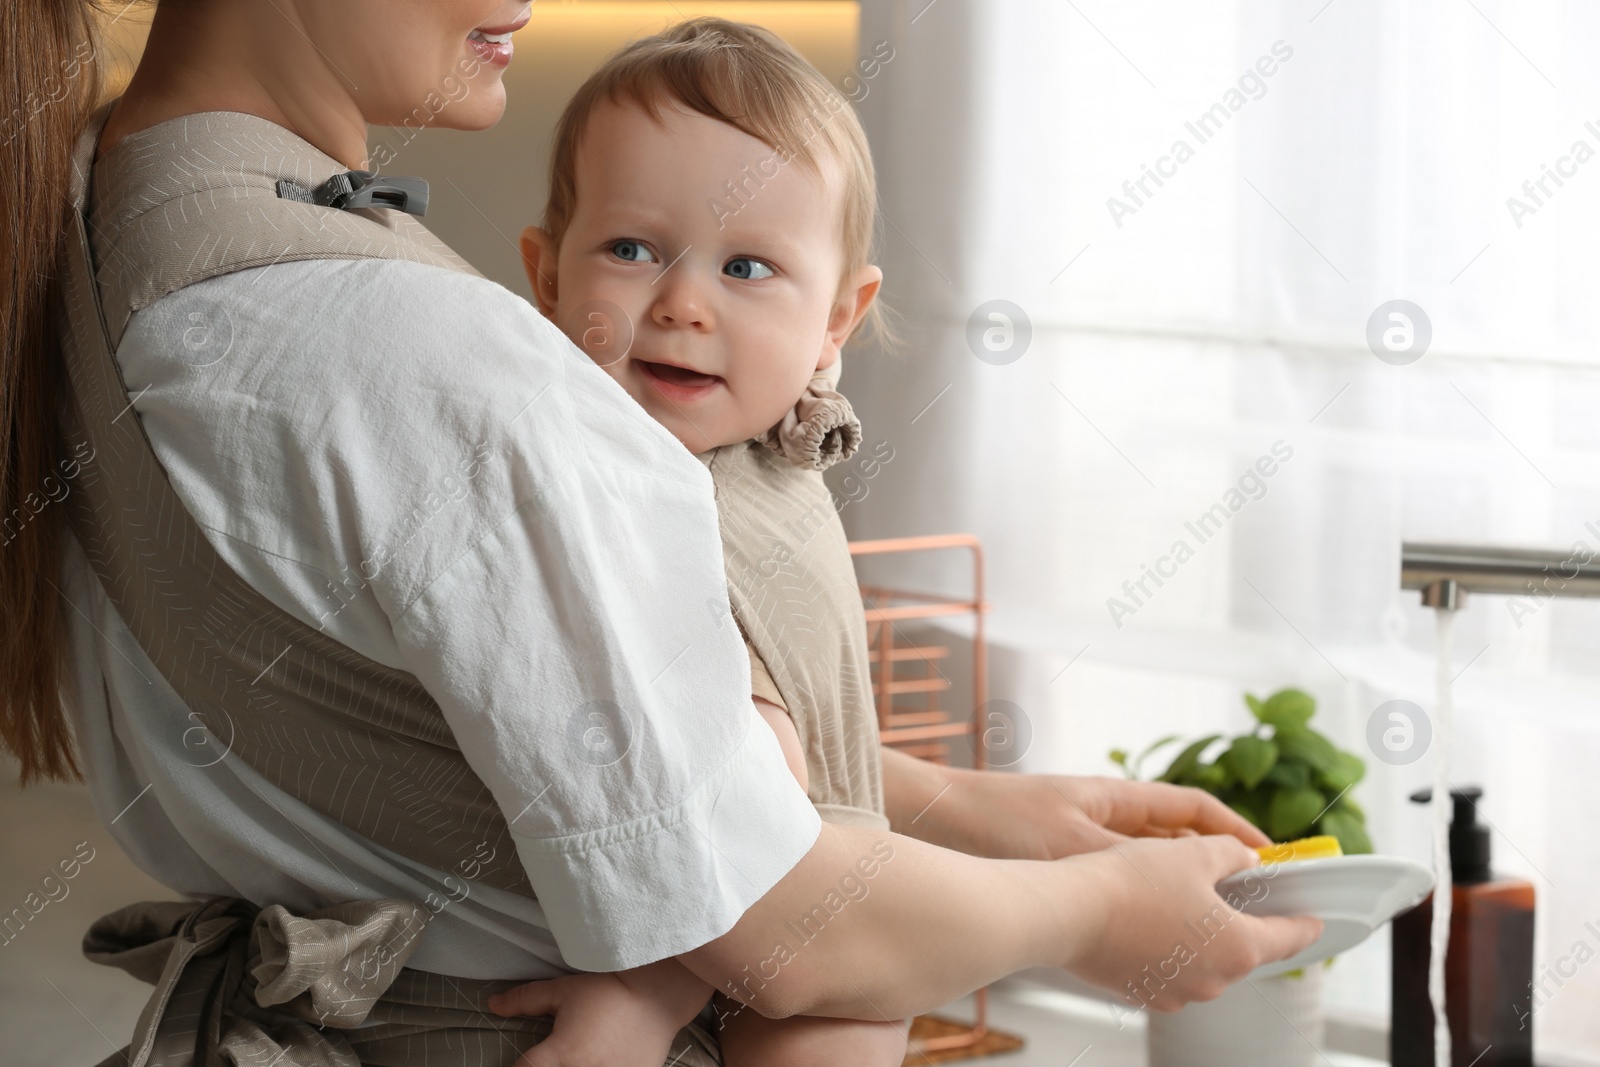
(1354, 153)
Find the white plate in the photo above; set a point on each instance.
(1352, 895)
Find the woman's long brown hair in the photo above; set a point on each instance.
(52, 79)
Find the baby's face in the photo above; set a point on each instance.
(712, 310)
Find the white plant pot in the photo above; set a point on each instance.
(1267, 1022)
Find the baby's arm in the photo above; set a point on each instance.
(751, 1040)
(788, 737)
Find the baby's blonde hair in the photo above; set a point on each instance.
(749, 78)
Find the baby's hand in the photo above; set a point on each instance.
(628, 1019)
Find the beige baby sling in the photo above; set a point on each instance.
(793, 591)
(200, 197)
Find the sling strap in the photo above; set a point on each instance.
(223, 191)
(793, 590)
(360, 742)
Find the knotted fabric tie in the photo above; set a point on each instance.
(241, 986)
(819, 431)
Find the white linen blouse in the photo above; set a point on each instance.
(417, 462)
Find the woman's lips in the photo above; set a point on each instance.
(676, 383)
(493, 48)
(492, 44)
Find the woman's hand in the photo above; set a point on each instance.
(1162, 936)
(1044, 816)
(626, 1019)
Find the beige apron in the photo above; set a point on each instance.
(362, 743)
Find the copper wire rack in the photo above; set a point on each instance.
(911, 683)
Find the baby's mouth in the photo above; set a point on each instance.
(679, 376)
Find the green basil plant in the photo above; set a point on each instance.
(1286, 778)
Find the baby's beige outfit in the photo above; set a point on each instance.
(793, 590)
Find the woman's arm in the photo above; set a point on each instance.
(879, 926)
(1039, 816)
(873, 925)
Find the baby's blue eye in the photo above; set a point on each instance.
(632, 251)
(748, 269)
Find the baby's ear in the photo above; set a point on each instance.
(856, 295)
(539, 261)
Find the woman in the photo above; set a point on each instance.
(380, 632)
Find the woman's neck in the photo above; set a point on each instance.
(201, 58)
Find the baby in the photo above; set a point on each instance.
(706, 241)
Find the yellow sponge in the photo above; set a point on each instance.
(1307, 848)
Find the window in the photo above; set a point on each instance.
(1198, 210)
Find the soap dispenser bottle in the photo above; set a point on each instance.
(1488, 964)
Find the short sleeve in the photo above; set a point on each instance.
(578, 657)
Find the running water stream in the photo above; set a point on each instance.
(1443, 888)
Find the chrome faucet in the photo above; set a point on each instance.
(1446, 573)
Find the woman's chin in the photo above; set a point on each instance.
(482, 108)
(479, 109)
